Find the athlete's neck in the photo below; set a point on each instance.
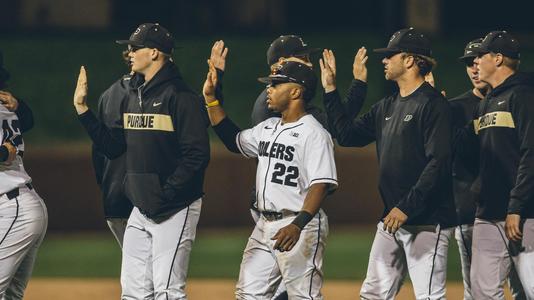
(480, 94)
(292, 115)
(408, 85)
(499, 77)
(152, 70)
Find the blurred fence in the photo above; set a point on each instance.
(63, 176)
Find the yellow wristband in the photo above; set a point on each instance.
(212, 103)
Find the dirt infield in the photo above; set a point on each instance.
(205, 289)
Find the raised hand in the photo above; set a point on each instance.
(80, 94)
(10, 102)
(328, 70)
(218, 55)
(209, 85)
(359, 68)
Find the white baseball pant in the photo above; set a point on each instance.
(263, 268)
(420, 251)
(23, 222)
(155, 256)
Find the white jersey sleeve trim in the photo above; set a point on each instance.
(239, 146)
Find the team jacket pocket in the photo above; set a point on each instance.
(144, 190)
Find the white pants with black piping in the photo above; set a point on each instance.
(155, 256)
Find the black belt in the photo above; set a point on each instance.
(14, 193)
(274, 215)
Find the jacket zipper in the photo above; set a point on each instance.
(139, 94)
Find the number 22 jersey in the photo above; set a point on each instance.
(12, 175)
(291, 158)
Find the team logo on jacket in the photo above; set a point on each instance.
(408, 118)
(148, 122)
(494, 119)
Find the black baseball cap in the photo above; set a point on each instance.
(292, 71)
(500, 42)
(151, 35)
(4, 74)
(407, 40)
(471, 50)
(288, 46)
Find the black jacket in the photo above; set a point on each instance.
(412, 137)
(110, 173)
(464, 167)
(167, 141)
(505, 127)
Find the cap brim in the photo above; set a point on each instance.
(468, 56)
(386, 51)
(128, 42)
(274, 78)
(307, 51)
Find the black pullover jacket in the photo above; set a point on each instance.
(413, 144)
(505, 126)
(110, 173)
(464, 166)
(167, 141)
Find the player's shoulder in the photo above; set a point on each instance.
(313, 128)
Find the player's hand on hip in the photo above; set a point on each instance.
(394, 220)
(218, 55)
(328, 70)
(359, 67)
(209, 85)
(286, 238)
(10, 102)
(12, 153)
(511, 227)
(80, 94)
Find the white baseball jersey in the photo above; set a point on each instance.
(11, 175)
(291, 158)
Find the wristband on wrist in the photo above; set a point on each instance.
(302, 219)
(212, 103)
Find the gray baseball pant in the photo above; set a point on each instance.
(494, 257)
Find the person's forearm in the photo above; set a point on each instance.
(216, 114)
(311, 205)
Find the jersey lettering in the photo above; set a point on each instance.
(276, 150)
(291, 174)
(11, 132)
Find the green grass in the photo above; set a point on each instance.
(216, 254)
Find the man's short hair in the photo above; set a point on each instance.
(425, 64)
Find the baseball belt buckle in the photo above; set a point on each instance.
(272, 215)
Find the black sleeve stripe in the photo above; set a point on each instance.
(239, 145)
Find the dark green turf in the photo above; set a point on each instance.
(215, 255)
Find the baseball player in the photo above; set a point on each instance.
(167, 151)
(503, 233)
(110, 173)
(295, 171)
(465, 171)
(412, 131)
(23, 215)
